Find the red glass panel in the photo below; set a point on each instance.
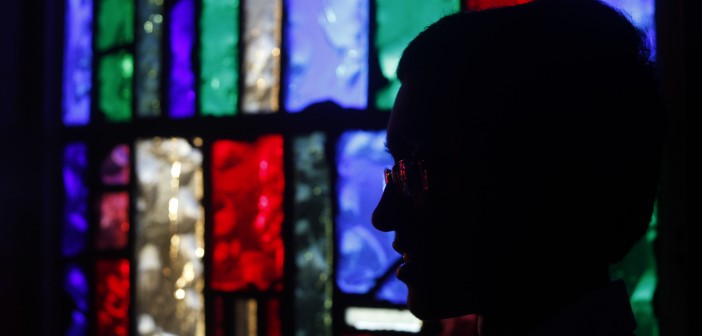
(247, 200)
(112, 297)
(485, 4)
(273, 325)
(114, 221)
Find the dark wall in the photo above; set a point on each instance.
(29, 169)
(679, 41)
(24, 73)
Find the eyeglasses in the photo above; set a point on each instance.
(408, 177)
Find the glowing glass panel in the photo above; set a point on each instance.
(115, 168)
(181, 91)
(113, 229)
(112, 297)
(364, 253)
(485, 4)
(76, 286)
(115, 83)
(169, 239)
(247, 201)
(75, 221)
(78, 61)
(398, 21)
(219, 57)
(115, 24)
(312, 237)
(148, 52)
(262, 55)
(643, 13)
(328, 53)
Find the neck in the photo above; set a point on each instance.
(523, 313)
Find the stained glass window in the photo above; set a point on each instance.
(221, 160)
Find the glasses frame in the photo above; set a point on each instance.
(408, 176)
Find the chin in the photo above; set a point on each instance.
(430, 305)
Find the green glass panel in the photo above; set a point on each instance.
(115, 23)
(115, 82)
(219, 39)
(398, 21)
(638, 270)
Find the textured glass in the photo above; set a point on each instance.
(115, 24)
(247, 201)
(181, 91)
(148, 54)
(77, 62)
(219, 67)
(115, 168)
(169, 239)
(261, 56)
(113, 230)
(312, 236)
(365, 254)
(643, 13)
(274, 326)
(112, 297)
(327, 50)
(485, 4)
(75, 211)
(115, 83)
(639, 271)
(76, 286)
(398, 21)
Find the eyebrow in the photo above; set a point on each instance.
(401, 150)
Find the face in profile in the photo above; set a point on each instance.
(435, 206)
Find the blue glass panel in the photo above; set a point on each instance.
(643, 13)
(327, 53)
(365, 253)
(76, 199)
(76, 286)
(77, 64)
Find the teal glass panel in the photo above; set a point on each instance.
(115, 84)
(312, 236)
(219, 57)
(148, 58)
(398, 21)
(639, 271)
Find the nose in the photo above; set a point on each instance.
(384, 217)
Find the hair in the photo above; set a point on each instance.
(565, 98)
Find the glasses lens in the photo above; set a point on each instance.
(407, 176)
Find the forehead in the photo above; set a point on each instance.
(406, 134)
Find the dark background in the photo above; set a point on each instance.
(30, 73)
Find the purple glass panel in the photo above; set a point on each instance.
(115, 167)
(77, 64)
(182, 83)
(365, 253)
(327, 53)
(75, 224)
